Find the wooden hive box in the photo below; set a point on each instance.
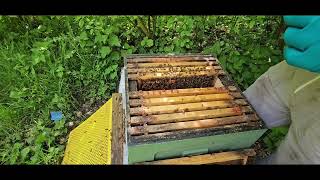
(183, 105)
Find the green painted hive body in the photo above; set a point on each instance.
(191, 146)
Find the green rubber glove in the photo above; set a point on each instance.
(302, 38)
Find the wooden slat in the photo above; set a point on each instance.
(188, 116)
(185, 107)
(156, 75)
(117, 130)
(215, 158)
(176, 92)
(171, 64)
(174, 69)
(168, 59)
(172, 134)
(206, 123)
(183, 99)
(180, 99)
(133, 56)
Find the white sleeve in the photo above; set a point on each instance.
(297, 149)
(265, 98)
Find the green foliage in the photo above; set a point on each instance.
(50, 63)
(275, 137)
(247, 47)
(38, 145)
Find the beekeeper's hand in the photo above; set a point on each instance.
(302, 38)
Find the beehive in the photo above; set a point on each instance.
(182, 105)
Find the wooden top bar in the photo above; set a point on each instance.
(166, 109)
(171, 64)
(197, 124)
(146, 76)
(214, 158)
(183, 99)
(176, 92)
(169, 59)
(189, 116)
(174, 69)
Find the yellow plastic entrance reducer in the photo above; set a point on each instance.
(90, 142)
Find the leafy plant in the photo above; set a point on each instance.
(275, 137)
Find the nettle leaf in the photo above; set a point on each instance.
(104, 51)
(83, 36)
(130, 51)
(42, 45)
(102, 89)
(60, 68)
(126, 46)
(108, 70)
(181, 43)
(115, 55)
(55, 99)
(69, 54)
(37, 57)
(143, 43)
(24, 153)
(114, 67)
(30, 139)
(149, 43)
(82, 44)
(59, 124)
(89, 43)
(60, 74)
(114, 41)
(41, 138)
(81, 22)
(56, 133)
(104, 38)
(101, 38)
(216, 48)
(98, 38)
(146, 42)
(123, 53)
(252, 23)
(113, 75)
(169, 48)
(16, 94)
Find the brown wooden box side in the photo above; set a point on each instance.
(118, 134)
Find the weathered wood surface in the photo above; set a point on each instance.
(183, 99)
(177, 92)
(168, 59)
(166, 109)
(160, 75)
(118, 133)
(189, 116)
(171, 64)
(175, 69)
(206, 123)
(215, 158)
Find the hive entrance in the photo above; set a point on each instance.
(169, 94)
